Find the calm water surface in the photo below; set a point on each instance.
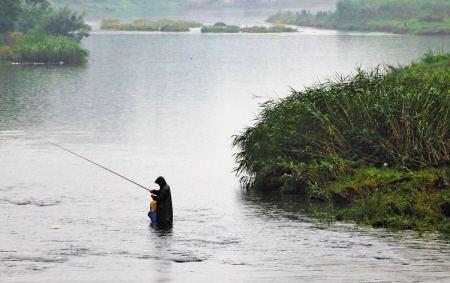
(167, 104)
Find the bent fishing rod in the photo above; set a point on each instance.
(95, 163)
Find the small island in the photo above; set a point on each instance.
(33, 32)
(423, 17)
(167, 25)
(144, 24)
(374, 145)
(221, 27)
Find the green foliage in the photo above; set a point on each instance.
(399, 16)
(147, 25)
(39, 48)
(56, 22)
(65, 22)
(395, 198)
(9, 11)
(378, 140)
(399, 117)
(52, 36)
(31, 15)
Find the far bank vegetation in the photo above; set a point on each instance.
(422, 17)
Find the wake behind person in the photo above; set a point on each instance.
(164, 213)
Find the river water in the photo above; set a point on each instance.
(150, 104)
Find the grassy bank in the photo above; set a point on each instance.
(377, 141)
(423, 17)
(395, 198)
(148, 25)
(18, 48)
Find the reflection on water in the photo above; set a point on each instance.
(168, 104)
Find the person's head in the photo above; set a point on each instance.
(160, 181)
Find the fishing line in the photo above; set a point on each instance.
(95, 163)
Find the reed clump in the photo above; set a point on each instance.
(44, 49)
(397, 118)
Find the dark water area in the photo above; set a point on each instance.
(150, 104)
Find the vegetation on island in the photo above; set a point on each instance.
(32, 31)
(375, 145)
(271, 29)
(167, 25)
(221, 27)
(423, 17)
(144, 24)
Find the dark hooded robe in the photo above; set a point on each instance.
(164, 213)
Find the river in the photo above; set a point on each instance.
(150, 104)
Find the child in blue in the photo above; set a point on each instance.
(152, 212)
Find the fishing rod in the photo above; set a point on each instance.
(95, 163)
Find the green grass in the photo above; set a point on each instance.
(423, 17)
(395, 198)
(44, 49)
(316, 141)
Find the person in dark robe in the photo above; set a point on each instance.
(164, 213)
